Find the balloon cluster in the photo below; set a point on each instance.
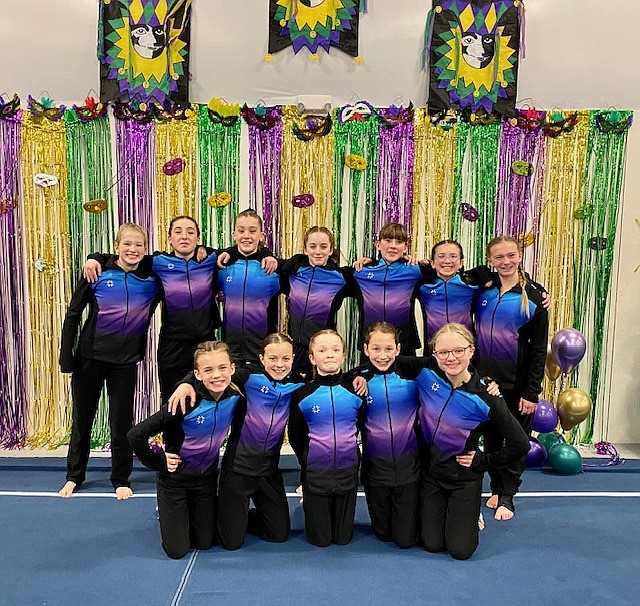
(567, 348)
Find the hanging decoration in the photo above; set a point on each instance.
(472, 49)
(395, 166)
(46, 232)
(520, 174)
(176, 150)
(435, 160)
(13, 387)
(474, 197)
(265, 161)
(45, 108)
(219, 145)
(143, 49)
(314, 25)
(604, 169)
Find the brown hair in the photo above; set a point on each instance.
(184, 217)
(442, 242)
(251, 214)
(131, 227)
(522, 279)
(383, 327)
(316, 229)
(326, 331)
(452, 328)
(393, 231)
(277, 338)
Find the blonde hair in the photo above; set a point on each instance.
(326, 331)
(213, 347)
(452, 328)
(275, 338)
(383, 327)
(522, 279)
(316, 229)
(251, 214)
(131, 227)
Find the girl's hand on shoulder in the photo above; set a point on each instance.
(360, 386)
(173, 461)
(411, 260)
(466, 459)
(91, 270)
(526, 407)
(360, 263)
(269, 264)
(223, 259)
(201, 253)
(179, 398)
(493, 389)
(546, 300)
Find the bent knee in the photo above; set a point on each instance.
(462, 553)
(175, 554)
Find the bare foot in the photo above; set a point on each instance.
(503, 513)
(480, 522)
(67, 490)
(492, 501)
(123, 493)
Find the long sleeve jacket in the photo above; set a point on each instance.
(389, 440)
(315, 295)
(120, 307)
(250, 303)
(323, 425)
(196, 437)
(512, 344)
(452, 421)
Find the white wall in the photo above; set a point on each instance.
(580, 54)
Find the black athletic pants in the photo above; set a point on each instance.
(328, 518)
(270, 499)
(175, 360)
(449, 514)
(187, 511)
(86, 385)
(505, 482)
(394, 512)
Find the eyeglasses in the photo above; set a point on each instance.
(458, 352)
(442, 257)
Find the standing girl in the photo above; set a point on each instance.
(316, 287)
(187, 467)
(250, 294)
(390, 464)
(250, 464)
(512, 328)
(455, 410)
(323, 427)
(112, 341)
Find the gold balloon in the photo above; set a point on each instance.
(552, 370)
(574, 406)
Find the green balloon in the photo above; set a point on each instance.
(565, 459)
(550, 439)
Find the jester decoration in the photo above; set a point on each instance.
(314, 24)
(472, 48)
(143, 48)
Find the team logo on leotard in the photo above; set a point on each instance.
(435, 387)
(200, 420)
(315, 409)
(484, 302)
(433, 292)
(264, 389)
(369, 400)
(109, 283)
(229, 279)
(370, 275)
(170, 265)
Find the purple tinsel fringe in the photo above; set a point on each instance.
(395, 160)
(13, 392)
(606, 448)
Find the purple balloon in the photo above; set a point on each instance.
(545, 418)
(537, 454)
(568, 347)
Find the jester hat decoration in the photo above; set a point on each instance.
(472, 49)
(143, 46)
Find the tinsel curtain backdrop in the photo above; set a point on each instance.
(68, 178)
